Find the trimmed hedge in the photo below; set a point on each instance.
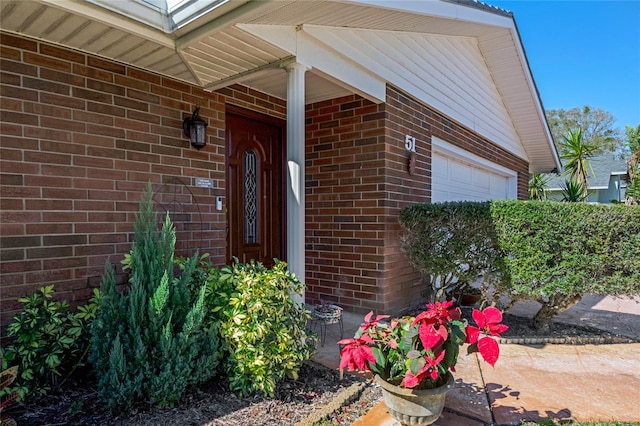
(546, 251)
(449, 241)
(557, 252)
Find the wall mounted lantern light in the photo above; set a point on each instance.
(195, 129)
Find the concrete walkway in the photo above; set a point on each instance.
(536, 382)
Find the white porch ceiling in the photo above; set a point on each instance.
(214, 50)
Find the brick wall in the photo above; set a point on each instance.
(345, 199)
(357, 182)
(80, 138)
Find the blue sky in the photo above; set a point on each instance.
(583, 53)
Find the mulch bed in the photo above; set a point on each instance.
(78, 403)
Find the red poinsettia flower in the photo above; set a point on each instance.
(419, 349)
(488, 323)
(439, 312)
(356, 353)
(430, 369)
(432, 336)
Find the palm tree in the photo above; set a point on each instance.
(574, 191)
(576, 151)
(538, 186)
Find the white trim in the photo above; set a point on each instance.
(439, 146)
(441, 9)
(323, 58)
(99, 12)
(240, 77)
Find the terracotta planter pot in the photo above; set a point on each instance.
(470, 299)
(467, 299)
(414, 407)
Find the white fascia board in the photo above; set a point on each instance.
(440, 9)
(314, 54)
(100, 14)
(557, 188)
(535, 95)
(190, 11)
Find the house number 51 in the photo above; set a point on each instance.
(410, 143)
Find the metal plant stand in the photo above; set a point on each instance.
(329, 315)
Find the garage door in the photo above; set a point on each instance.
(458, 175)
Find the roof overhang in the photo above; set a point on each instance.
(216, 43)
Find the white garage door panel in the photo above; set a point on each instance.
(455, 178)
(481, 179)
(499, 187)
(439, 170)
(459, 173)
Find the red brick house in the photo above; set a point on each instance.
(325, 118)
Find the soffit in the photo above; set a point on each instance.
(92, 29)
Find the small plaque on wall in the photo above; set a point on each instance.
(412, 163)
(204, 183)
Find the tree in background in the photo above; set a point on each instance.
(538, 186)
(575, 152)
(633, 177)
(597, 126)
(574, 191)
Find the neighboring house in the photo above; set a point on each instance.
(314, 109)
(606, 180)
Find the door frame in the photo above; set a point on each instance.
(282, 124)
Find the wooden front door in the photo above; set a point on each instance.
(255, 202)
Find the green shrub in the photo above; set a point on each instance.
(450, 240)
(49, 342)
(149, 342)
(557, 252)
(633, 189)
(7, 396)
(262, 326)
(546, 251)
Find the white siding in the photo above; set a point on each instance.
(445, 72)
